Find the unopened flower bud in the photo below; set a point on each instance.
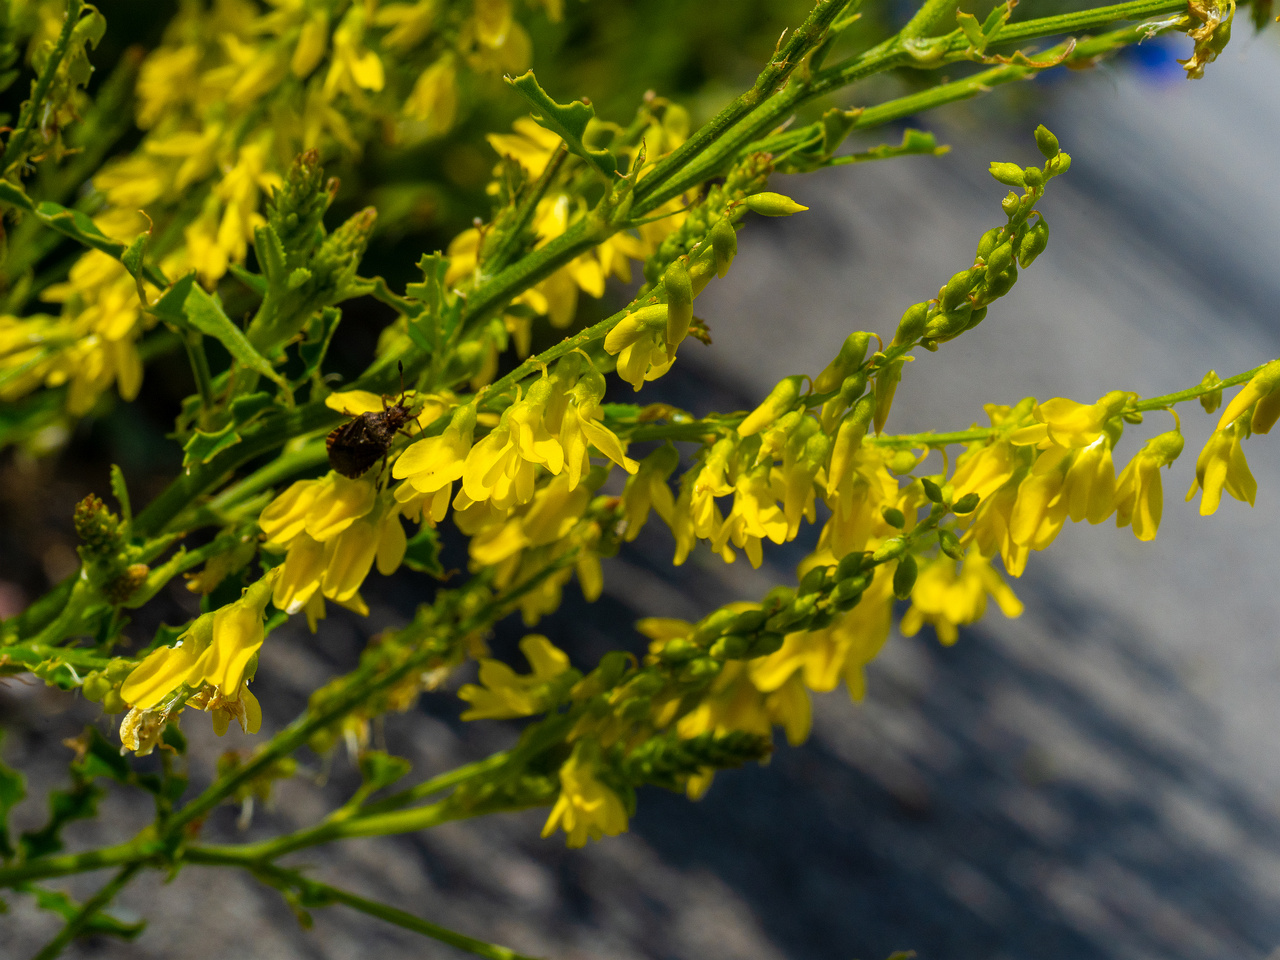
(956, 290)
(850, 565)
(1010, 204)
(635, 325)
(780, 400)
(949, 544)
(701, 670)
(724, 243)
(1213, 399)
(766, 644)
(949, 324)
(890, 550)
(911, 325)
(1033, 176)
(893, 517)
(852, 352)
(887, 379)
(966, 504)
(678, 650)
(772, 205)
(1010, 174)
(999, 260)
(679, 303)
(988, 242)
(1033, 244)
(1047, 142)
(812, 581)
(904, 578)
(732, 647)
(932, 490)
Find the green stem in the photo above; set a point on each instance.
(513, 233)
(91, 906)
(313, 893)
(45, 867)
(26, 118)
(780, 67)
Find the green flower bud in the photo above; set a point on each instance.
(113, 702)
(1033, 243)
(944, 326)
(766, 644)
(772, 205)
(1059, 164)
(966, 504)
(644, 685)
(780, 400)
(911, 325)
(932, 490)
(999, 260)
(635, 709)
(749, 621)
(847, 594)
(1010, 204)
(904, 578)
(850, 565)
(890, 550)
(976, 318)
(716, 624)
(1001, 285)
(852, 352)
(701, 670)
(724, 242)
(1010, 174)
(679, 303)
(95, 687)
(1213, 399)
(949, 543)
(813, 581)
(956, 290)
(893, 517)
(1034, 176)
(732, 647)
(678, 650)
(1047, 142)
(989, 241)
(1132, 416)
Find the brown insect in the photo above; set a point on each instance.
(358, 444)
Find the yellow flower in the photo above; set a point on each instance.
(639, 341)
(754, 517)
(410, 23)
(352, 68)
(950, 595)
(430, 466)
(502, 693)
(531, 146)
(216, 649)
(1262, 394)
(648, 490)
(501, 466)
(1040, 509)
(432, 105)
(1221, 465)
(1070, 424)
(1090, 485)
(1139, 495)
(586, 808)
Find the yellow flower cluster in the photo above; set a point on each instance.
(226, 102)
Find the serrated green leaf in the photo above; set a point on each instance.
(203, 447)
(244, 409)
(380, 769)
(973, 32)
(78, 803)
(568, 121)
(121, 493)
(254, 281)
(55, 901)
(319, 334)
(270, 252)
(79, 226)
(188, 305)
(14, 194)
(13, 789)
(101, 758)
(422, 553)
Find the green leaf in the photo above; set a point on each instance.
(78, 803)
(121, 492)
(271, 256)
(13, 789)
(203, 447)
(186, 304)
(254, 281)
(969, 26)
(244, 409)
(55, 901)
(14, 194)
(319, 333)
(381, 769)
(568, 121)
(79, 226)
(433, 327)
(422, 553)
(101, 758)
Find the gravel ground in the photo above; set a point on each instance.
(1097, 779)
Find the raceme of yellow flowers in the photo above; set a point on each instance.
(238, 110)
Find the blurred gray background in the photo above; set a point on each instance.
(1097, 779)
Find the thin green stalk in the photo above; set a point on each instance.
(71, 863)
(779, 68)
(90, 907)
(26, 118)
(313, 893)
(514, 232)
